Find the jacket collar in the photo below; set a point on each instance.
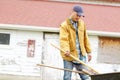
(69, 22)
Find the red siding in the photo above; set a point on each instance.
(51, 14)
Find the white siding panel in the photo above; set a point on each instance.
(52, 57)
(13, 58)
(94, 46)
(28, 64)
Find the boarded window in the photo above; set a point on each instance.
(109, 50)
(4, 39)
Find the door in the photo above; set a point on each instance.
(51, 57)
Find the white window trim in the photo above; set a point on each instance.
(12, 35)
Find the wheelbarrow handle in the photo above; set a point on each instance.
(76, 59)
(82, 72)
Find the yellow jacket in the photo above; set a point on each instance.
(68, 39)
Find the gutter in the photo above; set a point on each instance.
(50, 29)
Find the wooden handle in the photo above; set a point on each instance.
(82, 72)
(77, 59)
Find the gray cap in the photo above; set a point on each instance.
(79, 10)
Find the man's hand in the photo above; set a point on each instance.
(89, 57)
(67, 53)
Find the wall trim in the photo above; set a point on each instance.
(103, 33)
(51, 29)
(28, 28)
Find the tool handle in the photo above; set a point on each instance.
(82, 72)
(76, 59)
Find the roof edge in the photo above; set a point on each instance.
(82, 2)
(87, 2)
(50, 29)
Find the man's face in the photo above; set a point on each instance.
(75, 16)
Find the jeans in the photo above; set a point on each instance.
(71, 65)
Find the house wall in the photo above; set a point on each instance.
(14, 62)
(13, 57)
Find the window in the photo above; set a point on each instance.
(4, 38)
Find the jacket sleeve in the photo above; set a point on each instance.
(64, 38)
(86, 42)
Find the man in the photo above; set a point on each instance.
(74, 41)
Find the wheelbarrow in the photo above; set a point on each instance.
(106, 76)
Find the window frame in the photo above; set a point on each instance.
(11, 40)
